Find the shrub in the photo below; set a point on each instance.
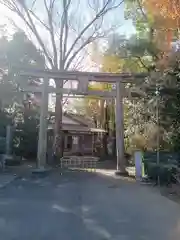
(165, 170)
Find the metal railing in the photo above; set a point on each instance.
(85, 163)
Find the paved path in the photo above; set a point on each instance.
(84, 206)
(6, 178)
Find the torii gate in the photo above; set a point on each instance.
(83, 79)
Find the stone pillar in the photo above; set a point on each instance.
(121, 168)
(8, 139)
(42, 141)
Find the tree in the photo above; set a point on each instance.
(25, 139)
(166, 8)
(166, 17)
(133, 55)
(161, 25)
(69, 29)
(161, 18)
(17, 51)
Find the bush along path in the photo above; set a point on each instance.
(167, 171)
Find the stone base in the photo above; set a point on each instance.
(41, 172)
(11, 160)
(8, 157)
(120, 173)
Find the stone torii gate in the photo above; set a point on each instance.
(83, 79)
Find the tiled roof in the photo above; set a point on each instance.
(82, 119)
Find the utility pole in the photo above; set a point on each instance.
(42, 141)
(121, 168)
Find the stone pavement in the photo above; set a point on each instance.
(85, 206)
(26, 171)
(6, 178)
(12, 173)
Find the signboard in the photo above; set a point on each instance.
(138, 157)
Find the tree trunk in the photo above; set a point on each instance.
(58, 131)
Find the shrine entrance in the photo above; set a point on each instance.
(117, 91)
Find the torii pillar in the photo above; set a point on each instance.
(42, 140)
(121, 163)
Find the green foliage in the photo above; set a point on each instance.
(165, 170)
(142, 21)
(165, 173)
(18, 52)
(25, 139)
(170, 102)
(25, 134)
(4, 121)
(142, 47)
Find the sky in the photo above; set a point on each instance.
(126, 25)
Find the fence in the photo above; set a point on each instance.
(85, 163)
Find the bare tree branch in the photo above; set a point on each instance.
(141, 61)
(12, 5)
(9, 4)
(61, 42)
(90, 39)
(33, 3)
(49, 11)
(65, 100)
(66, 27)
(64, 32)
(102, 12)
(39, 20)
(142, 11)
(78, 63)
(33, 27)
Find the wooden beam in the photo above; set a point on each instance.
(75, 75)
(72, 91)
(128, 93)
